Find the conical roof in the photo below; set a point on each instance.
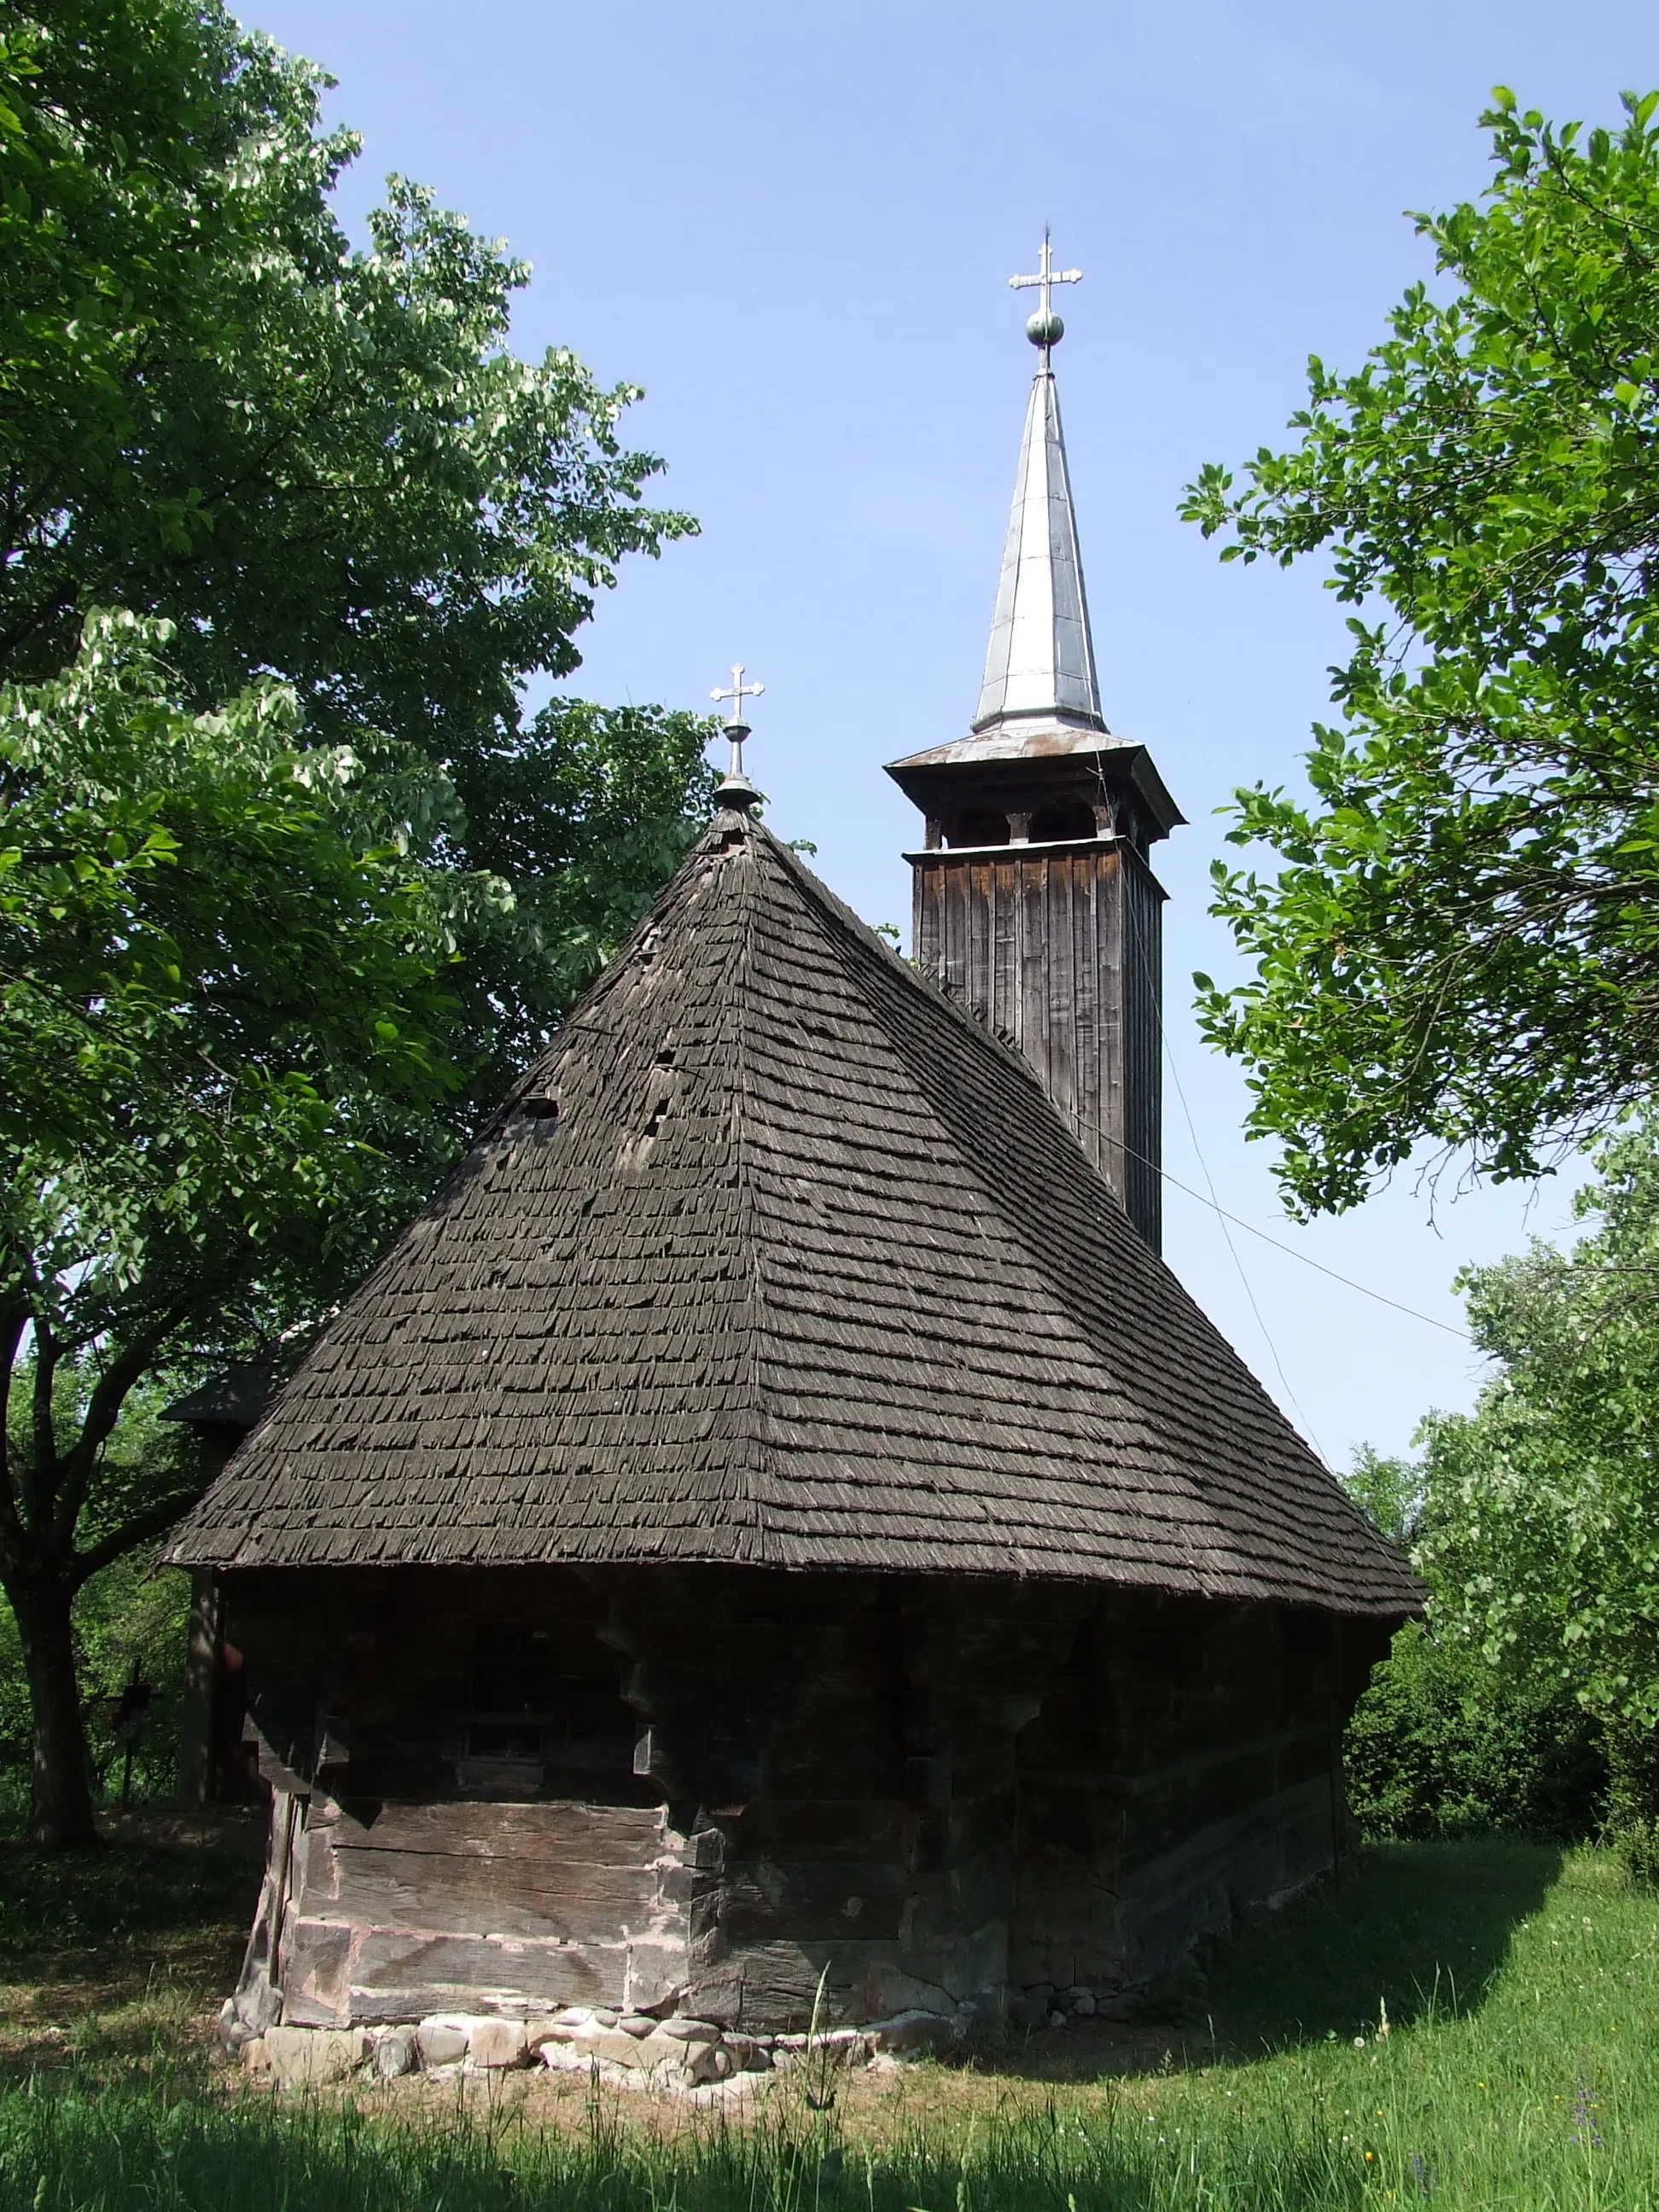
(1041, 660)
(778, 1257)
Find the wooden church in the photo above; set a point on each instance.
(773, 1519)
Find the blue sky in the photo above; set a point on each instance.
(795, 225)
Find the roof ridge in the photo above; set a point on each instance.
(1014, 1065)
(830, 917)
(750, 1367)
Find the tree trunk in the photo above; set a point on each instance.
(62, 1813)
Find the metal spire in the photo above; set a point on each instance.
(1042, 657)
(735, 789)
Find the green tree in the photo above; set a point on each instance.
(320, 465)
(1540, 1533)
(130, 1616)
(1388, 1490)
(279, 916)
(1444, 1744)
(1458, 937)
(223, 1017)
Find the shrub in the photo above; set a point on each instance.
(1440, 1745)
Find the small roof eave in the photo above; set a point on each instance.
(919, 775)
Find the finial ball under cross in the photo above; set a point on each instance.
(1045, 329)
(736, 790)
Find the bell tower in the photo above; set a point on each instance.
(1034, 899)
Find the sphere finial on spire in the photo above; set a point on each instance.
(1045, 329)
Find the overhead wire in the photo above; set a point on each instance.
(1278, 1245)
(1289, 1251)
(1156, 995)
(1223, 1215)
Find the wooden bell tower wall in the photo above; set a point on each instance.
(1058, 948)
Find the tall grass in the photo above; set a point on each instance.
(1534, 2085)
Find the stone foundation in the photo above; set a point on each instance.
(631, 2051)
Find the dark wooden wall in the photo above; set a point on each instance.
(1060, 948)
(725, 1783)
(1186, 1768)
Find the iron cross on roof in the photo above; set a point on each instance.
(1045, 329)
(736, 692)
(736, 788)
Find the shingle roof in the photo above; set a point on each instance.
(778, 1256)
(235, 1397)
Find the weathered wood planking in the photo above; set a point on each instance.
(617, 1835)
(951, 1786)
(1059, 949)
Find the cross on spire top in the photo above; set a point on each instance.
(737, 691)
(735, 788)
(1045, 329)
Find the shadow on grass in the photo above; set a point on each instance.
(103, 1953)
(1413, 1925)
(1416, 1924)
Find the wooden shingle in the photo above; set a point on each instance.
(777, 1257)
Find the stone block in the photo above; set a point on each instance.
(305, 2056)
(441, 2042)
(496, 2042)
(689, 2031)
(680, 2062)
(750, 2054)
(575, 2058)
(659, 2050)
(702, 2061)
(637, 2024)
(396, 2053)
(609, 2043)
(910, 2033)
(836, 2047)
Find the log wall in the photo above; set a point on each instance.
(711, 1788)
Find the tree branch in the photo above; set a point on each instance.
(39, 1477)
(14, 1321)
(104, 1410)
(154, 1521)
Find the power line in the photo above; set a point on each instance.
(1290, 1250)
(1160, 1170)
(1225, 1218)
(1155, 991)
(1347, 1281)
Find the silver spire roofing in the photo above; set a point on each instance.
(1042, 657)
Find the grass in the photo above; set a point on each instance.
(114, 1962)
(1519, 1990)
